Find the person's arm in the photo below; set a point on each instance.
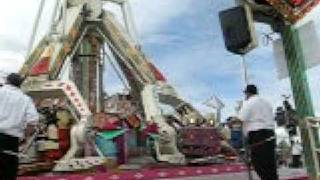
(31, 117)
(244, 113)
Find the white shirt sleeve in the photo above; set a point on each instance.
(31, 114)
(244, 113)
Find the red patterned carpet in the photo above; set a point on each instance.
(201, 172)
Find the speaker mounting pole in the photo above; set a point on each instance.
(244, 69)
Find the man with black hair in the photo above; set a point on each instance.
(256, 115)
(17, 113)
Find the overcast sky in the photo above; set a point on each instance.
(184, 39)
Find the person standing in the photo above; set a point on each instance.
(17, 114)
(236, 135)
(2, 80)
(226, 132)
(296, 153)
(256, 115)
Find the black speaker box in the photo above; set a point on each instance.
(237, 27)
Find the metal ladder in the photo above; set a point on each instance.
(312, 140)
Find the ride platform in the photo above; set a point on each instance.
(217, 172)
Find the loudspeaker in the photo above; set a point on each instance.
(238, 29)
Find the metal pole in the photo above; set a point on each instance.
(244, 70)
(35, 28)
(128, 20)
(248, 159)
(98, 85)
(64, 17)
(53, 17)
(219, 115)
(244, 139)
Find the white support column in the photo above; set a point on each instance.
(35, 28)
(53, 24)
(128, 20)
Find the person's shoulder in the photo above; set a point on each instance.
(254, 101)
(4, 87)
(23, 95)
(7, 89)
(260, 99)
(266, 101)
(26, 97)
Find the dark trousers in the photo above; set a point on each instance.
(8, 163)
(263, 156)
(296, 161)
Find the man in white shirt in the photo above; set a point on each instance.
(257, 118)
(17, 113)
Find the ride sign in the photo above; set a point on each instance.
(293, 10)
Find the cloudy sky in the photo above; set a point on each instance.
(184, 39)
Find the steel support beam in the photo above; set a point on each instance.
(300, 89)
